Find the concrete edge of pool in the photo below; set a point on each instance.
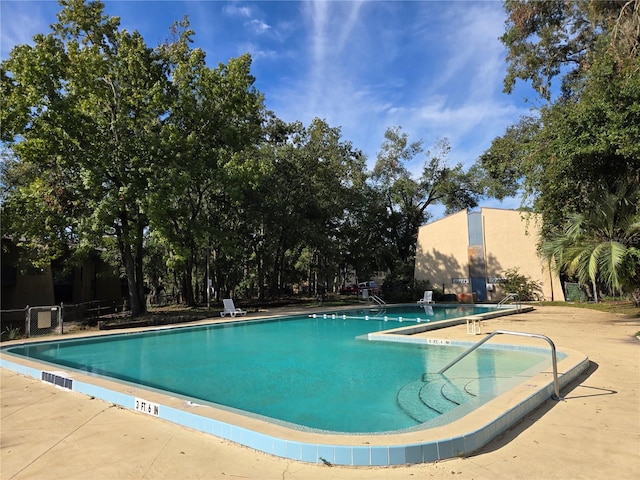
(459, 438)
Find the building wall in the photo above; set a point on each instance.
(23, 286)
(442, 252)
(33, 289)
(509, 240)
(37, 287)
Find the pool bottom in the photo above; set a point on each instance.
(459, 438)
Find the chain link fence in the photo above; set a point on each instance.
(44, 321)
(51, 319)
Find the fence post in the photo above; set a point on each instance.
(27, 322)
(61, 318)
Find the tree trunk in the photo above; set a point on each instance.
(135, 282)
(132, 260)
(187, 287)
(260, 267)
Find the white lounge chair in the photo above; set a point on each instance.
(428, 297)
(230, 308)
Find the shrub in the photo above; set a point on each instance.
(526, 288)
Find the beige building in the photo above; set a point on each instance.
(22, 286)
(468, 252)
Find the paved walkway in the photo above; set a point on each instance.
(594, 433)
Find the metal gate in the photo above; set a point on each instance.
(43, 321)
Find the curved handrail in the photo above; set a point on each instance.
(511, 296)
(554, 360)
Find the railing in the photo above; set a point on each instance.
(92, 311)
(511, 296)
(554, 360)
(377, 299)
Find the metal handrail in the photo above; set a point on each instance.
(377, 299)
(554, 360)
(511, 296)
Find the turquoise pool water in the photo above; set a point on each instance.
(311, 372)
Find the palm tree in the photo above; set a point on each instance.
(602, 244)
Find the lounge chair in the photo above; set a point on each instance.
(428, 297)
(230, 308)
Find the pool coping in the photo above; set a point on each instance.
(459, 438)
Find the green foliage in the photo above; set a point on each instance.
(554, 37)
(110, 138)
(407, 199)
(11, 334)
(81, 116)
(509, 158)
(161, 162)
(582, 143)
(600, 245)
(526, 288)
(399, 285)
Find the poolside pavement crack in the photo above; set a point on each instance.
(164, 447)
(38, 457)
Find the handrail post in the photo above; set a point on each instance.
(554, 360)
(511, 296)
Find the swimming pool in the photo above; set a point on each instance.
(310, 374)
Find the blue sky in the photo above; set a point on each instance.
(435, 68)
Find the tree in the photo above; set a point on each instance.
(510, 159)
(299, 195)
(600, 245)
(215, 114)
(407, 199)
(82, 115)
(558, 37)
(582, 144)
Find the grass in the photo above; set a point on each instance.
(609, 306)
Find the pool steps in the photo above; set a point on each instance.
(426, 399)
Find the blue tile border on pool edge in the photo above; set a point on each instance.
(356, 455)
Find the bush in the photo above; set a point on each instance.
(526, 288)
(407, 292)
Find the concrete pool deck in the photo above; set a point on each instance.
(47, 432)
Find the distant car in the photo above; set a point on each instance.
(351, 289)
(370, 285)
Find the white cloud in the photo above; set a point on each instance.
(257, 52)
(234, 10)
(259, 26)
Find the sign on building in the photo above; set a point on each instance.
(460, 280)
(496, 279)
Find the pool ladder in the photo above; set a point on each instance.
(511, 296)
(554, 359)
(377, 299)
